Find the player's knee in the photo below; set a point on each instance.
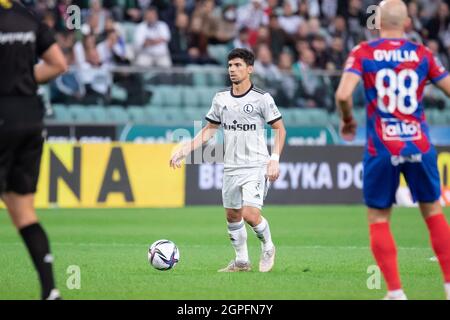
(430, 209)
(252, 215)
(378, 215)
(22, 216)
(234, 215)
(20, 209)
(23, 220)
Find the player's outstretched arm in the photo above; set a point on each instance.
(273, 167)
(54, 63)
(344, 102)
(444, 85)
(183, 150)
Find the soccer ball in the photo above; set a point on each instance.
(163, 254)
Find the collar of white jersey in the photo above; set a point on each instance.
(240, 95)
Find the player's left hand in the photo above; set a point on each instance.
(273, 170)
(347, 129)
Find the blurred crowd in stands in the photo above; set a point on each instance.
(295, 42)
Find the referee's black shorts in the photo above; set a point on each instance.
(21, 143)
(20, 159)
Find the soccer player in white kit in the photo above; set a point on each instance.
(242, 111)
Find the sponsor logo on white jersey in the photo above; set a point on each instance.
(248, 108)
(239, 126)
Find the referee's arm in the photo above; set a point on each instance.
(53, 64)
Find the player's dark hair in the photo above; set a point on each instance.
(244, 54)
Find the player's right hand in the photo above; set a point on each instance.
(347, 129)
(175, 160)
(178, 156)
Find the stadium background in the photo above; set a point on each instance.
(110, 127)
(119, 90)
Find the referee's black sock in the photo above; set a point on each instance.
(38, 246)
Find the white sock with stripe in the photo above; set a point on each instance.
(238, 237)
(262, 231)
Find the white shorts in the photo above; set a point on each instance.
(247, 189)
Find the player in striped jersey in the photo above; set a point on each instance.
(395, 72)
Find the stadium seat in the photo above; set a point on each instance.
(118, 93)
(299, 117)
(431, 115)
(172, 96)
(444, 117)
(305, 117)
(289, 116)
(174, 115)
(242, 2)
(229, 2)
(117, 114)
(360, 116)
(216, 75)
(447, 116)
(81, 114)
(219, 52)
(136, 114)
(167, 95)
(316, 117)
(206, 95)
(194, 114)
(200, 79)
(98, 113)
(61, 113)
(334, 119)
(157, 98)
(218, 79)
(190, 97)
(199, 76)
(155, 115)
(438, 117)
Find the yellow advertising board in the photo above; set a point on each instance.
(109, 175)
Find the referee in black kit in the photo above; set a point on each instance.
(24, 39)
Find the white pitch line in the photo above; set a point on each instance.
(98, 244)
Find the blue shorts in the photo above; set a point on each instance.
(381, 178)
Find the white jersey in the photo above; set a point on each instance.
(243, 119)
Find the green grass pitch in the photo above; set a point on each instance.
(322, 253)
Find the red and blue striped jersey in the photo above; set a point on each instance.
(395, 72)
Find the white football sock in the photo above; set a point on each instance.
(238, 237)
(262, 231)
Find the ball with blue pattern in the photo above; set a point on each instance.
(163, 255)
